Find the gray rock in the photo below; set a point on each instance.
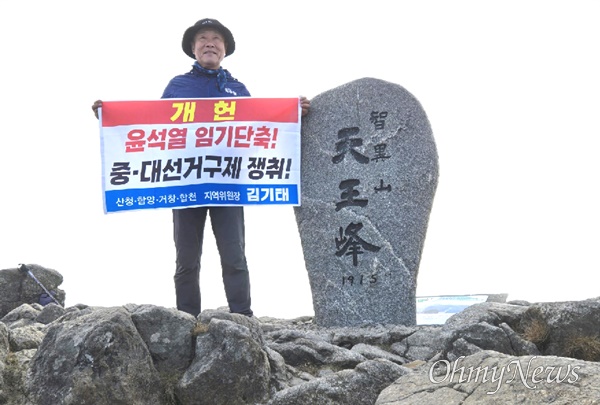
(480, 327)
(570, 328)
(379, 335)
(487, 378)
(168, 335)
(519, 345)
(26, 337)
(4, 350)
(50, 313)
(220, 372)
(374, 352)
(22, 315)
(369, 175)
(359, 386)
(140, 354)
(251, 323)
(301, 350)
(426, 343)
(4, 345)
(17, 288)
(282, 377)
(489, 312)
(95, 359)
(481, 335)
(14, 374)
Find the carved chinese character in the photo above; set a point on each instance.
(350, 244)
(380, 152)
(381, 187)
(378, 118)
(348, 195)
(347, 144)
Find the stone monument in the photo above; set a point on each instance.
(369, 175)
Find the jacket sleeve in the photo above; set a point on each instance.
(168, 92)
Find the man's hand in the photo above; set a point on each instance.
(305, 104)
(97, 104)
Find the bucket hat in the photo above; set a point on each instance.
(188, 36)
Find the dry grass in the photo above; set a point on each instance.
(537, 331)
(583, 348)
(199, 328)
(535, 328)
(169, 382)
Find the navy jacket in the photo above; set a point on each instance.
(197, 84)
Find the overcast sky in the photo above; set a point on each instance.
(511, 89)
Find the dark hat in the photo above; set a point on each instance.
(188, 36)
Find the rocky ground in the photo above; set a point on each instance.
(490, 353)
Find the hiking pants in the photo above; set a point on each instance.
(188, 231)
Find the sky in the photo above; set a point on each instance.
(511, 90)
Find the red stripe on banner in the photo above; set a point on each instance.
(187, 111)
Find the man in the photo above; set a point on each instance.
(208, 42)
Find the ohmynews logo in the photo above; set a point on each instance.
(529, 376)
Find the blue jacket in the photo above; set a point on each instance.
(197, 84)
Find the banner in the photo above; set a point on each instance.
(435, 310)
(176, 153)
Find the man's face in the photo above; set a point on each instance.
(209, 48)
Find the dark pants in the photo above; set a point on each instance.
(228, 227)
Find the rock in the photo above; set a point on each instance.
(144, 354)
(168, 334)
(489, 377)
(300, 350)
(359, 386)
(50, 313)
(374, 352)
(564, 328)
(370, 171)
(17, 288)
(96, 359)
(4, 344)
(230, 368)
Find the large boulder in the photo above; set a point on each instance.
(17, 287)
(489, 378)
(143, 354)
(230, 366)
(98, 358)
(369, 175)
(567, 328)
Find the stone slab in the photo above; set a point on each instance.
(369, 175)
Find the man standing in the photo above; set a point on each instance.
(208, 42)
